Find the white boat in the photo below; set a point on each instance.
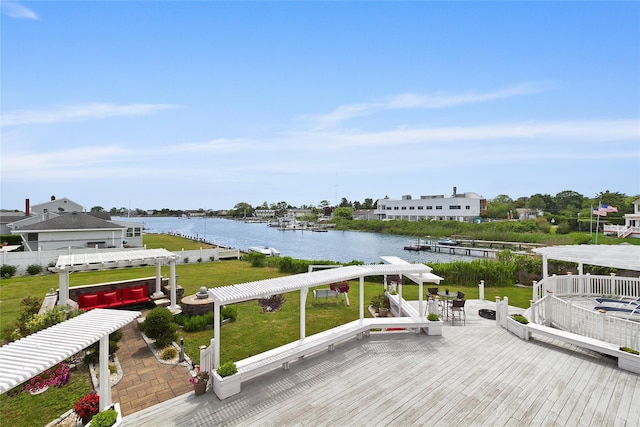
(265, 250)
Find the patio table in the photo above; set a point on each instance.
(448, 297)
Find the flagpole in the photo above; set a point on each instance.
(591, 222)
(598, 222)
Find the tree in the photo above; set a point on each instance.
(344, 203)
(536, 203)
(242, 209)
(368, 204)
(569, 201)
(97, 209)
(343, 213)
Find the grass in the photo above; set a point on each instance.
(253, 331)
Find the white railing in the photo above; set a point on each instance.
(554, 311)
(206, 357)
(620, 230)
(502, 311)
(587, 285)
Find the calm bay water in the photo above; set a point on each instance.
(339, 246)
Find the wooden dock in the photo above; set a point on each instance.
(472, 375)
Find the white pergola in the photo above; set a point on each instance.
(23, 359)
(104, 260)
(622, 256)
(221, 296)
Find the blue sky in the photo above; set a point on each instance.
(191, 105)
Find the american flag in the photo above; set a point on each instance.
(608, 208)
(600, 212)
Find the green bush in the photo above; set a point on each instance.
(168, 353)
(105, 418)
(159, 326)
(195, 323)
(34, 269)
(257, 259)
(227, 369)
(433, 317)
(186, 260)
(630, 350)
(7, 271)
(520, 319)
(229, 312)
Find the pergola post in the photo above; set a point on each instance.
(172, 279)
(105, 375)
(63, 284)
(158, 292)
(216, 334)
(420, 305)
(545, 267)
(303, 312)
(361, 310)
(400, 296)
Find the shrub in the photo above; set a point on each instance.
(159, 326)
(227, 369)
(195, 323)
(168, 353)
(229, 312)
(105, 418)
(520, 319)
(630, 350)
(257, 259)
(186, 260)
(34, 269)
(433, 317)
(7, 271)
(199, 260)
(212, 258)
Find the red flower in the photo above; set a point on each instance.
(87, 405)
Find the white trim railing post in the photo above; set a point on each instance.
(481, 290)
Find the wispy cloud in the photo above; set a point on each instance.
(417, 101)
(16, 10)
(81, 112)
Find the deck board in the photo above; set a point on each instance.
(478, 374)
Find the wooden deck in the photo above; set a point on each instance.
(472, 375)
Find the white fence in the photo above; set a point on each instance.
(206, 357)
(553, 311)
(21, 260)
(587, 285)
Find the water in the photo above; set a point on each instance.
(339, 246)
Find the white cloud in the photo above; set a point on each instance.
(416, 101)
(81, 112)
(16, 10)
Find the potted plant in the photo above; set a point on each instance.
(629, 359)
(517, 324)
(87, 406)
(199, 380)
(226, 380)
(380, 304)
(435, 324)
(110, 417)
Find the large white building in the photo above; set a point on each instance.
(466, 207)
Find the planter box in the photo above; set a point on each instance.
(629, 362)
(435, 327)
(227, 386)
(519, 329)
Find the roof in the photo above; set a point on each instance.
(26, 358)
(264, 288)
(624, 256)
(71, 221)
(99, 260)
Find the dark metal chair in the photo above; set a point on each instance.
(457, 309)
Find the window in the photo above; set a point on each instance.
(429, 208)
(32, 237)
(438, 208)
(455, 207)
(395, 208)
(420, 208)
(411, 208)
(467, 207)
(134, 232)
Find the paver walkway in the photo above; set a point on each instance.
(145, 381)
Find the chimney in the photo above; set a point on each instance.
(455, 191)
(53, 198)
(27, 207)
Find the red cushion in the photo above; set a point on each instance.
(110, 298)
(88, 301)
(137, 294)
(126, 295)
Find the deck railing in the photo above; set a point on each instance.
(557, 312)
(206, 357)
(587, 285)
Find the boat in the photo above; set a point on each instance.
(447, 241)
(268, 251)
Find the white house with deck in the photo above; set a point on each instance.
(631, 226)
